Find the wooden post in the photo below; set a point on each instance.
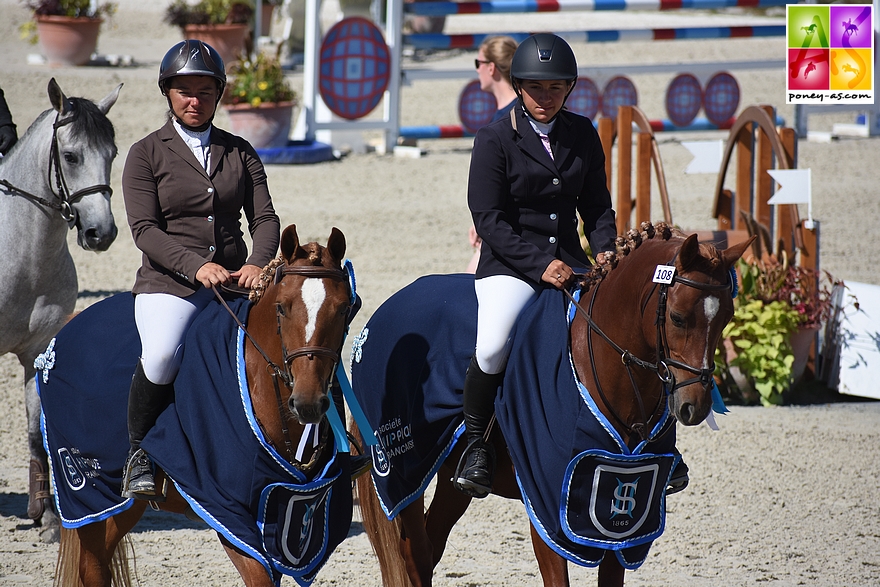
(624, 168)
(644, 143)
(763, 181)
(787, 215)
(606, 135)
(743, 195)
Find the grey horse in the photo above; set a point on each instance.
(55, 178)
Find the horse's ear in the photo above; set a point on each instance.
(690, 251)
(730, 255)
(109, 100)
(57, 97)
(336, 244)
(289, 243)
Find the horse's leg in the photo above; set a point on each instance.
(446, 509)
(554, 568)
(252, 572)
(98, 542)
(40, 506)
(611, 571)
(415, 547)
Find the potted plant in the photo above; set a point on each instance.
(67, 30)
(778, 312)
(223, 24)
(259, 101)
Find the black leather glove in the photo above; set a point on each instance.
(8, 137)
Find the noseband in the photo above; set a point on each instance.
(65, 202)
(664, 361)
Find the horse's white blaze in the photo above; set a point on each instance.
(313, 295)
(711, 305)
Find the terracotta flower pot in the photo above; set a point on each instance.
(67, 41)
(226, 39)
(264, 127)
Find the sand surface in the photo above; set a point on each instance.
(778, 497)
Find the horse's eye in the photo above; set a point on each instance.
(70, 157)
(677, 320)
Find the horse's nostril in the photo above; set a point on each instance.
(325, 404)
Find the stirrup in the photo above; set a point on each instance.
(158, 493)
(469, 486)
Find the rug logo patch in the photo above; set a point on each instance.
(77, 468)
(395, 438)
(630, 490)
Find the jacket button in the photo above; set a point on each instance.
(574, 220)
(553, 217)
(211, 248)
(210, 219)
(210, 190)
(555, 181)
(552, 239)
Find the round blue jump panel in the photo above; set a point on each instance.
(684, 97)
(475, 107)
(354, 67)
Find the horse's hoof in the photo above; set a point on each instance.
(50, 534)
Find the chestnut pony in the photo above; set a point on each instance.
(277, 348)
(670, 334)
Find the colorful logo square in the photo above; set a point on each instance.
(830, 54)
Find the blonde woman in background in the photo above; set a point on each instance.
(493, 68)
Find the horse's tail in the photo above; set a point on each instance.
(122, 566)
(384, 534)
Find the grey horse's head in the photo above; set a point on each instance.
(83, 152)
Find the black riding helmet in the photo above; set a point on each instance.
(543, 56)
(192, 57)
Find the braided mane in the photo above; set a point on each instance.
(625, 245)
(267, 275)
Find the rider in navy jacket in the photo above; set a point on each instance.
(532, 173)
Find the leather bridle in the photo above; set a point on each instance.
(65, 199)
(283, 374)
(662, 367)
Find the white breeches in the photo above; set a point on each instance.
(500, 301)
(162, 321)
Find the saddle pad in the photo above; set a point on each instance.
(408, 367)
(207, 440)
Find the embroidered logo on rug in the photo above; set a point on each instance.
(615, 498)
(295, 530)
(77, 468)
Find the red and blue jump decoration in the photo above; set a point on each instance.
(684, 96)
(508, 6)
(721, 98)
(355, 66)
(584, 98)
(619, 91)
(475, 107)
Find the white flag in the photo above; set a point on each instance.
(707, 156)
(794, 186)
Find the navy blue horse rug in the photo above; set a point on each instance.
(585, 491)
(207, 441)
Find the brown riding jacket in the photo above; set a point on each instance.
(182, 217)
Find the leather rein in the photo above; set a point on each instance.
(277, 372)
(664, 360)
(64, 204)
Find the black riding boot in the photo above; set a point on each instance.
(679, 478)
(477, 466)
(146, 400)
